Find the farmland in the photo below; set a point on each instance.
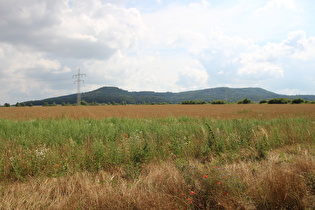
(158, 157)
(157, 111)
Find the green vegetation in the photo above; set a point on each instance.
(219, 102)
(193, 102)
(279, 101)
(185, 162)
(86, 144)
(244, 101)
(114, 95)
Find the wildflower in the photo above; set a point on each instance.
(57, 165)
(205, 176)
(218, 183)
(190, 201)
(192, 192)
(125, 135)
(225, 193)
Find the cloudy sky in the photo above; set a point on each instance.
(156, 45)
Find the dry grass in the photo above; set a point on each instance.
(283, 179)
(154, 189)
(280, 182)
(148, 111)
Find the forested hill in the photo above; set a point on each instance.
(117, 95)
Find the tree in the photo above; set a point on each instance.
(219, 102)
(263, 101)
(94, 103)
(84, 103)
(297, 101)
(279, 101)
(244, 101)
(7, 105)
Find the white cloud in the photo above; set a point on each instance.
(279, 4)
(261, 70)
(86, 30)
(192, 78)
(154, 45)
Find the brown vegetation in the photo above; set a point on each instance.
(148, 111)
(280, 182)
(282, 177)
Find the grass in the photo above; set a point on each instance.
(157, 163)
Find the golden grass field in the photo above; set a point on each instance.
(160, 111)
(46, 164)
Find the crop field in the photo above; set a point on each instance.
(157, 111)
(251, 156)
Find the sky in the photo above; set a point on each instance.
(155, 45)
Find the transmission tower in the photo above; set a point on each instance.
(78, 81)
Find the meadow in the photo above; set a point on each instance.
(158, 157)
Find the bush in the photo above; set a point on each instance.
(94, 103)
(279, 101)
(297, 101)
(194, 102)
(219, 102)
(263, 101)
(84, 103)
(244, 101)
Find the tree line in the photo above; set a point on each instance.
(243, 101)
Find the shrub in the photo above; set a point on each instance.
(297, 101)
(244, 101)
(84, 103)
(263, 101)
(279, 101)
(219, 102)
(194, 102)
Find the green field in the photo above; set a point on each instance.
(158, 163)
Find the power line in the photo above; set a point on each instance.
(78, 81)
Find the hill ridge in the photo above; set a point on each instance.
(111, 94)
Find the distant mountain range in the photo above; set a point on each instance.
(117, 95)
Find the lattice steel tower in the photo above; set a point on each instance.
(78, 81)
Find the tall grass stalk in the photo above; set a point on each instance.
(35, 147)
(196, 163)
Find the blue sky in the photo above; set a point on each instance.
(155, 45)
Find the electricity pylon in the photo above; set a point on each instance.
(78, 81)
